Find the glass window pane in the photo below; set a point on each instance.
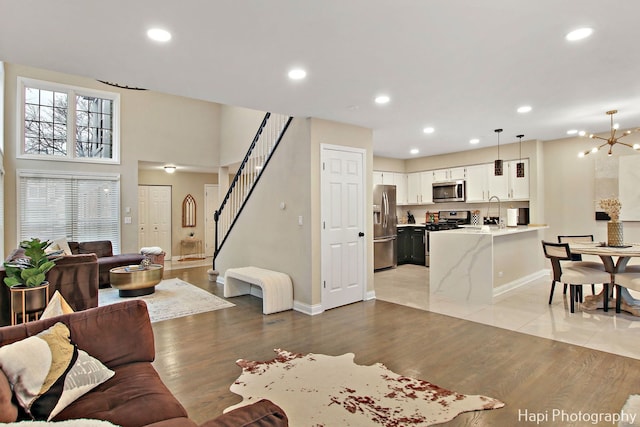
(60, 100)
(46, 98)
(46, 114)
(31, 95)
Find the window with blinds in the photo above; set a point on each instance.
(80, 207)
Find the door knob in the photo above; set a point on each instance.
(361, 234)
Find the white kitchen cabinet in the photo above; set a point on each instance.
(518, 187)
(426, 181)
(451, 174)
(400, 181)
(481, 183)
(378, 177)
(414, 188)
(498, 184)
(385, 178)
(477, 183)
(419, 188)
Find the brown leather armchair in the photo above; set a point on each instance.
(74, 276)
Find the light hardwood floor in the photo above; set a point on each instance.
(196, 356)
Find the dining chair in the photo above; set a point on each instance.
(630, 279)
(577, 238)
(574, 273)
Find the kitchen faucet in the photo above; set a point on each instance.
(499, 208)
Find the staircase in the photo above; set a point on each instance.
(264, 144)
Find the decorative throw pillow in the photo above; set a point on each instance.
(48, 372)
(57, 305)
(8, 409)
(59, 244)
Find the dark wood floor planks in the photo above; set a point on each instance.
(196, 356)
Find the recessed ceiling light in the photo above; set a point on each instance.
(159, 35)
(414, 151)
(428, 130)
(297, 74)
(579, 34)
(524, 109)
(474, 141)
(582, 133)
(382, 99)
(572, 132)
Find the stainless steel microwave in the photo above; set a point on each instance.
(453, 191)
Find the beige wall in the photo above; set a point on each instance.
(569, 195)
(269, 237)
(238, 127)
(182, 183)
(154, 127)
(327, 132)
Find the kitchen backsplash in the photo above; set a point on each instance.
(420, 211)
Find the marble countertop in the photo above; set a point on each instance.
(495, 231)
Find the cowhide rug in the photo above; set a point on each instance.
(320, 390)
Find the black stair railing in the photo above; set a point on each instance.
(264, 144)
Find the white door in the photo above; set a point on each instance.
(211, 203)
(154, 222)
(343, 221)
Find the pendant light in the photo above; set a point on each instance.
(497, 165)
(520, 164)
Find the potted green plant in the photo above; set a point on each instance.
(26, 276)
(31, 270)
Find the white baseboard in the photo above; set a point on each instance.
(370, 295)
(308, 309)
(520, 282)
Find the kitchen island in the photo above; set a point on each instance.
(474, 265)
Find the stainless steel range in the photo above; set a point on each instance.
(448, 220)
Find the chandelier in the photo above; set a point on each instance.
(612, 140)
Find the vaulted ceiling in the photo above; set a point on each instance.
(462, 67)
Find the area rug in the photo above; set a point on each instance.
(630, 414)
(172, 298)
(320, 390)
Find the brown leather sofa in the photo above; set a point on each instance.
(121, 337)
(106, 259)
(74, 276)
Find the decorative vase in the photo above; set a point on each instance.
(614, 233)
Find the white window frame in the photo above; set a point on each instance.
(71, 91)
(28, 173)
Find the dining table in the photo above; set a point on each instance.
(615, 260)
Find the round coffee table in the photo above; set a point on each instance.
(134, 281)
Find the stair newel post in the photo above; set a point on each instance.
(216, 217)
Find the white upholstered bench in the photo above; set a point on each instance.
(277, 288)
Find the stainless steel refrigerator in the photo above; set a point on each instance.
(385, 243)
